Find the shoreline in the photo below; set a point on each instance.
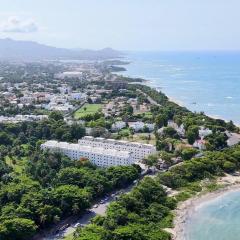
(149, 83)
(187, 208)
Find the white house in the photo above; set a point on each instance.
(79, 96)
(200, 144)
(204, 132)
(118, 125)
(180, 129)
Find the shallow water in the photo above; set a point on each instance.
(201, 81)
(218, 219)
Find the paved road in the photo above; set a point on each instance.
(99, 208)
(149, 98)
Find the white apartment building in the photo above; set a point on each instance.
(97, 155)
(138, 150)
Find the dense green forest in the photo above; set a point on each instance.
(51, 188)
(38, 188)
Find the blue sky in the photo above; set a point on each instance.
(124, 24)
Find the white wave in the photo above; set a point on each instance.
(189, 81)
(211, 104)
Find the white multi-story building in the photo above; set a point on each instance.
(22, 118)
(138, 150)
(97, 155)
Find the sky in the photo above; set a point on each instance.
(124, 24)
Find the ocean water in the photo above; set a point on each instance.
(218, 219)
(201, 81)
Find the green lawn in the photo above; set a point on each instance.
(145, 115)
(69, 237)
(87, 109)
(141, 137)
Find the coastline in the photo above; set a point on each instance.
(186, 208)
(174, 99)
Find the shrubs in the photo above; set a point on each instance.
(213, 163)
(188, 153)
(52, 188)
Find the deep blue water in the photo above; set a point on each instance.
(201, 81)
(219, 219)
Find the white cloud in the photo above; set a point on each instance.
(16, 25)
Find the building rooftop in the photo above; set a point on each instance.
(86, 148)
(117, 142)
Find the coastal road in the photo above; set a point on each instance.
(99, 208)
(149, 98)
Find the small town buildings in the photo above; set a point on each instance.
(27, 100)
(139, 126)
(78, 96)
(118, 125)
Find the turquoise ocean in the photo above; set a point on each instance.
(218, 219)
(201, 81)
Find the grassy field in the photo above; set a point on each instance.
(69, 237)
(18, 163)
(142, 138)
(87, 109)
(147, 115)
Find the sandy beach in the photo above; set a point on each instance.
(187, 208)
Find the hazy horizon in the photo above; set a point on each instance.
(145, 25)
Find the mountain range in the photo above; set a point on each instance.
(28, 50)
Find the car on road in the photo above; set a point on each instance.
(78, 225)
